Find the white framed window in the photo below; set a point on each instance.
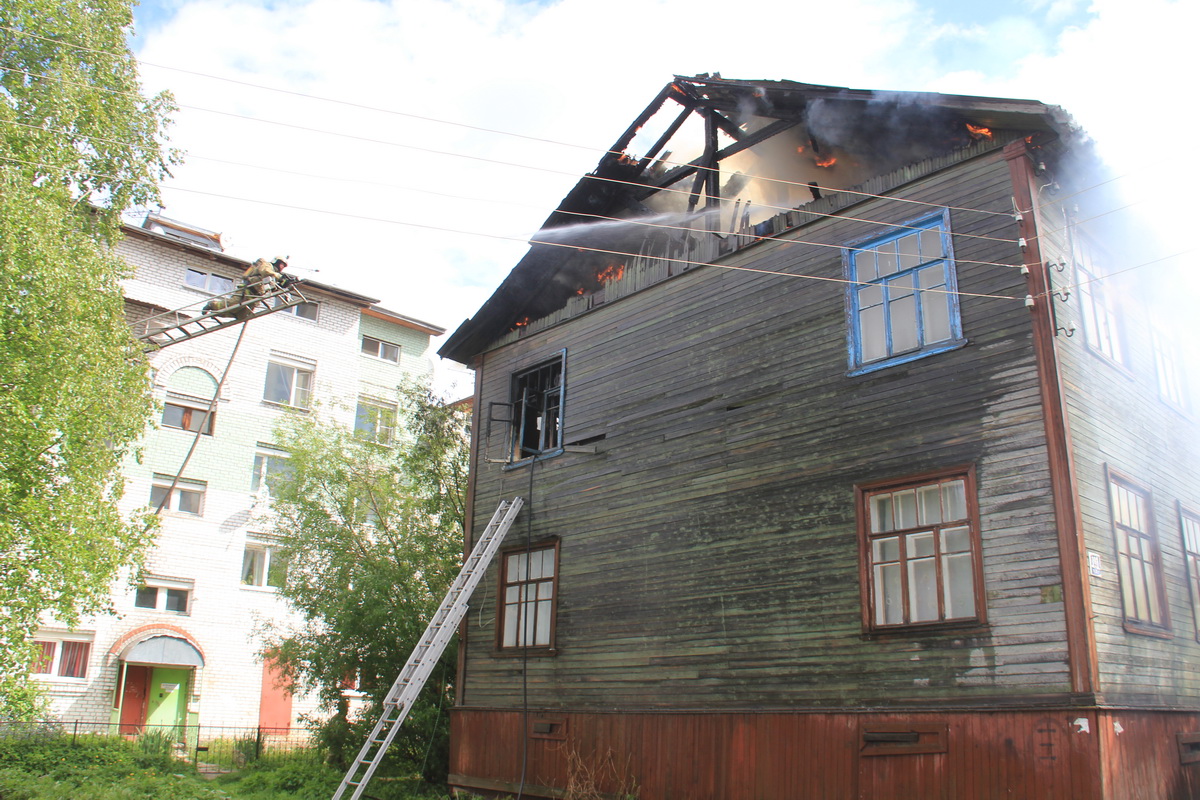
(188, 415)
(270, 463)
(1168, 367)
(289, 382)
(61, 655)
(168, 595)
(381, 349)
(263, 564)
(307, 310)
(209, 282)
(375, 420)
(186, 498)
(528, 588)
(1097, 305)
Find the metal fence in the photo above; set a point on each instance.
(211, 748)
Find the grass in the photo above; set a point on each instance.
(53, 767)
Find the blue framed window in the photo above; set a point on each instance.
(903, 300)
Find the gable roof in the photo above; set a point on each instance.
(695, 145)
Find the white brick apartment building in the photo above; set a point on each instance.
(182, 647)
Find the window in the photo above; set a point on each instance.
(163, 594)
(920, 540)
(263, 564)
(187, 497)
(375, 421)
(209, 281)
(528, 580)
(381, 349)
(269, 464)
(187, 416)
(305, 310)
(1101, 330)
(63, 658)
(289, 384)
(1189, 523)
(1139, 567)
(903, 301)
(1168, 368)
(537, 414)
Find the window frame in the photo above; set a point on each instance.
(262, 470)
(1189, 517)
(851, 256)
(55, 663)
(163, 587)
(1169, 370)
(183, 487)
(381, 409)
(380, 344)
(298, 397)
(209, 277)
(503, 607)
(295, 310)
(1103, 331)
(1132, 623)
(190, 409)
(268, 548)
(518, 452)
(863, 493)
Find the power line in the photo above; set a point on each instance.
(796, 184)
(525, 239)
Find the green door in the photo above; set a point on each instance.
(169, 688)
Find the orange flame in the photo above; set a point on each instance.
(800, 149)
(979, 131)
(1029, 139)
(613, 272)
(827, 161)
(521, 323)
(579, 290)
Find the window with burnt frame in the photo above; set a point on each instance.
(528, 589)
(1139, 565)
(921, 551)
(537, 410)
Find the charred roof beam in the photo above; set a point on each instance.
(681, 172)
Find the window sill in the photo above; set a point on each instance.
(964, 628)
(943, 347)
(250, 587)
(1145, 630)
(532, 652)
(58, 683)
(285, 406)
(531, 459)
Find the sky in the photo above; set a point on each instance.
(408, 149)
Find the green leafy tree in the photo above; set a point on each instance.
(373, 536)
(78, 145)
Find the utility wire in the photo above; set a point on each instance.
(533, 241)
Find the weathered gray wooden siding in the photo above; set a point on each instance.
(1118, 419)
(709, 555)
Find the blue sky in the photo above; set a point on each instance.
(358, 191)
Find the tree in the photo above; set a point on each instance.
(373, 537)
(78, 145)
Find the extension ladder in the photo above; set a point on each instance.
(184, 323)
(425, 656)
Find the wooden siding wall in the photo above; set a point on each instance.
(708, 550)
(1118, 420)
(1002, 754)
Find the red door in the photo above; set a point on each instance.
(134, 698)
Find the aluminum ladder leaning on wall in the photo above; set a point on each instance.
(425, 656)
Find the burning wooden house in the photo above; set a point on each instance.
(856, 465)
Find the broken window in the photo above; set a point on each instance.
(921, 551)
(537, 406)
(903, 296)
